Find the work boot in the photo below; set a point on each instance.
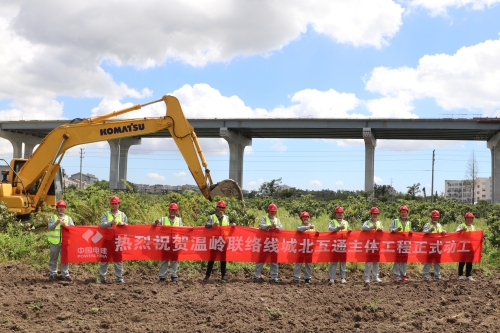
(174, 279)
(308, 281)
(206, 278)
(160, 280)
(67, 278)
(224, 278)
(52, 278)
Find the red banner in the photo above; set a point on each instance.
(141, 242)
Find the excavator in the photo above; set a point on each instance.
(31, 182)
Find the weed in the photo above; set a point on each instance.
(35, 307)
(94, 310)
(274, 313)
(373, 306)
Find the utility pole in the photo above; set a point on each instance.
(432, 184)
(81, 159)
(473, 176)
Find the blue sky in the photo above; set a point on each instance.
(224, 59)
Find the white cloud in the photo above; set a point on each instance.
(311, 103)
(339, 183)
(467, 79)
(412, 145)
(278, 146)
(377, 180)
(316, 183)
(252, 183)
(437, 7)
(390, 107)
(180, 174)
(154, 175)
(58, 47)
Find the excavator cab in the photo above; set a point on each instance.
(55, 191)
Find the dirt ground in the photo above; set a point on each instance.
(30, 303)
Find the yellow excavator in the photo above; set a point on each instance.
(30, 182)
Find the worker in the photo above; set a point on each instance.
(338, 224)
(215, 220)
(467, 227)
(110, 219)
(57, 221)
(432, 228)
(172, 220)
(373, 224)
(303, 227)
(271, 223)
(400, 224)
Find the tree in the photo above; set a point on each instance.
(471, 172)
(101, 184)
(413, 190)
(271, 188)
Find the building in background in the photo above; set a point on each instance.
(460, 190)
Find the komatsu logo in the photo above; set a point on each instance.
(122, 129)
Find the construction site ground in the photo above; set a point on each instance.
(31, 303)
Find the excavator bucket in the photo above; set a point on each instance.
(227, 188)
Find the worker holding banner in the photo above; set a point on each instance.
(303, 227)
(338, 225)
(466, 227)
(216, 220)
(372, 224)
(172, 220)
(269, 222)
(400, 224)
(110, 219)
(57, 221)
(431, 228)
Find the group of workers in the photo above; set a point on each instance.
(269, 222)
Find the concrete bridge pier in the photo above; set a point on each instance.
(237, 144)
(370, 144)
(17, 141)
(494, 145)
(118, 161)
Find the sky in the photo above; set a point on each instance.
(259, 59)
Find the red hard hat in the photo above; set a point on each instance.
(173, 206)
(114, 199)
(469, 215)
(61, 203)
(404, 208)
(221, 203)
(272, 208)
(374, 210)
(435, 213)
(304, 214)
(339, 209)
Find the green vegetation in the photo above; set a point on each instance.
(26, 241)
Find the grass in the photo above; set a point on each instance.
(30, 247)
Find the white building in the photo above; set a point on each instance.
(460, 190)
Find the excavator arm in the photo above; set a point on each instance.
(43, 165)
